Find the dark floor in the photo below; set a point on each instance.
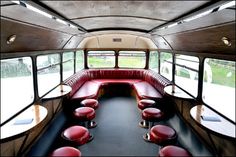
(118, 132)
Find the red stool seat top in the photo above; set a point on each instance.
(144, 103)
(93, 103)
(78, 134)
(160, 134)
(66, 151)
(84, 113)
(173, 151)
(152, 114)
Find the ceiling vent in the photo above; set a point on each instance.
(117, 40)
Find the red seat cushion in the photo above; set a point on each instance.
(66, 151)
(145, 103)
(88, 90)
(161, 134)
(152, 114)
(84, 113)
(146, 90)
(173, 151)
(78, 134)
(117, 81)
(93, 103)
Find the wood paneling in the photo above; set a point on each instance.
(216, 18)
(23, 14)
(206, 40)
(30, 38)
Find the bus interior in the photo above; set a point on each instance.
(118, 78)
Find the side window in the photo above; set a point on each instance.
(153, 60)
(79, 60)
(166, 65)
(68, 64)
(101, 59)
(219, 86)
(17, 89)
(48, 72)
(186, 73)
(132, 59)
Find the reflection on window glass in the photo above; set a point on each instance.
(16, 86)
(166, 65)
(79, 60)
(219, 86)
(101, 59)
(186, 73)
(132, 59)
(68, 64)
(48, 72)
(153, 60)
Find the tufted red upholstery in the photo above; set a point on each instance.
(93, 103)
(152, 114)
(76, 81)
(161, 134)
(88, 90)
(169, 151)
(84, 113)
(77, 134)
(146, 91)
(145, 103)
(66, 151)
(86, 83)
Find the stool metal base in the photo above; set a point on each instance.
(146, 137)
(90, 138)
(144, 124)
(91, 124)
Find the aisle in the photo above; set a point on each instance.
(118, 133)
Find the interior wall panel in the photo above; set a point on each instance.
(30, 38)
(205, 40)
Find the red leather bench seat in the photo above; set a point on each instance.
(117, 81)
(88, 90)
(145, 90)
(86, 83)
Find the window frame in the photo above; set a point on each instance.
(33, 86)
(145, 59)
(68, 60)
(99, 54)
(186, 68)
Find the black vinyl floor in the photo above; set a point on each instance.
(118, 133)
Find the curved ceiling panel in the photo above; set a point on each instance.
(117, 22)
(163, 11)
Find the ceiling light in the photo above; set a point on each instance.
(226, 41)
(198, 16)
(11, 39)
(227, 5)
(17, 2)
(38, 11)
(172, 25)
(61, 21)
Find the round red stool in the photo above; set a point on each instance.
(145, 103)
(66, 151)
(150, 115)
(162, 135)
(86, 115)
(173, 151)
(78, 135)
(93, 103)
